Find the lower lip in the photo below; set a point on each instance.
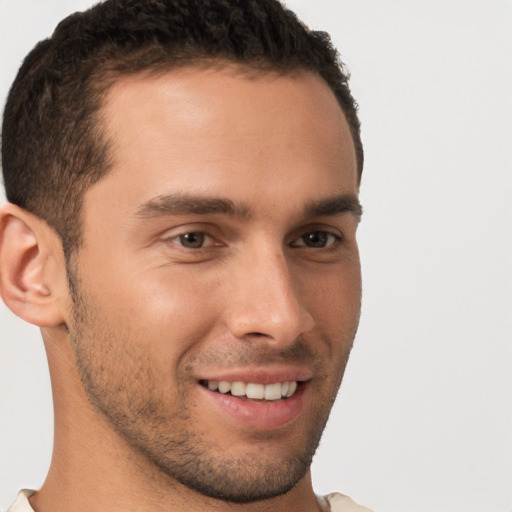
(263, 415)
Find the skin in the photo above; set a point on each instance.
(268, 287)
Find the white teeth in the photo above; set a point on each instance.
(224, 386)
(253, 390)
(213, 385)
(238, 388)
(273, 391)
(291, 389)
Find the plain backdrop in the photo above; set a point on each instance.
(424, 418)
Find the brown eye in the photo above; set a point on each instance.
(316, 240)
(191, 240)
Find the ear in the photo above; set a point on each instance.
(33, 282)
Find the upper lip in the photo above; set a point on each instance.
(259, 375)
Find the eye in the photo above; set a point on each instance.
(192, 240)
(316, 240)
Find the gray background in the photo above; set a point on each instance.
(424, 419)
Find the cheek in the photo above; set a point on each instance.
(165, 313)
(333, 296)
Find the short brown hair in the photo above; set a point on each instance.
(52, 145)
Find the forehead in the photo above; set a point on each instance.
(202, 130)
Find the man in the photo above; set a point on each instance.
(182, 182)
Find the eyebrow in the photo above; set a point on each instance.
(336, 205)
(183, 204)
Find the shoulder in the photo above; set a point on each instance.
(22, 504)
(341, 503)
(337, 502)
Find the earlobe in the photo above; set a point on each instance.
(29, 283)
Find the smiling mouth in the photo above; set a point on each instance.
(253, 390)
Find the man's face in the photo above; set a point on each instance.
(221, 248)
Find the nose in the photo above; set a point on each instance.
(265, 302)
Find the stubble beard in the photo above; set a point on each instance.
(125, 390)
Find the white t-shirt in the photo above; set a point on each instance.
(337, 502)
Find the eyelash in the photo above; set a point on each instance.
(334, 238)
(325, 236)
(181, 236)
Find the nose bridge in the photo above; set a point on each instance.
(266, 301)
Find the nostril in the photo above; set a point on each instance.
(257, 334)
